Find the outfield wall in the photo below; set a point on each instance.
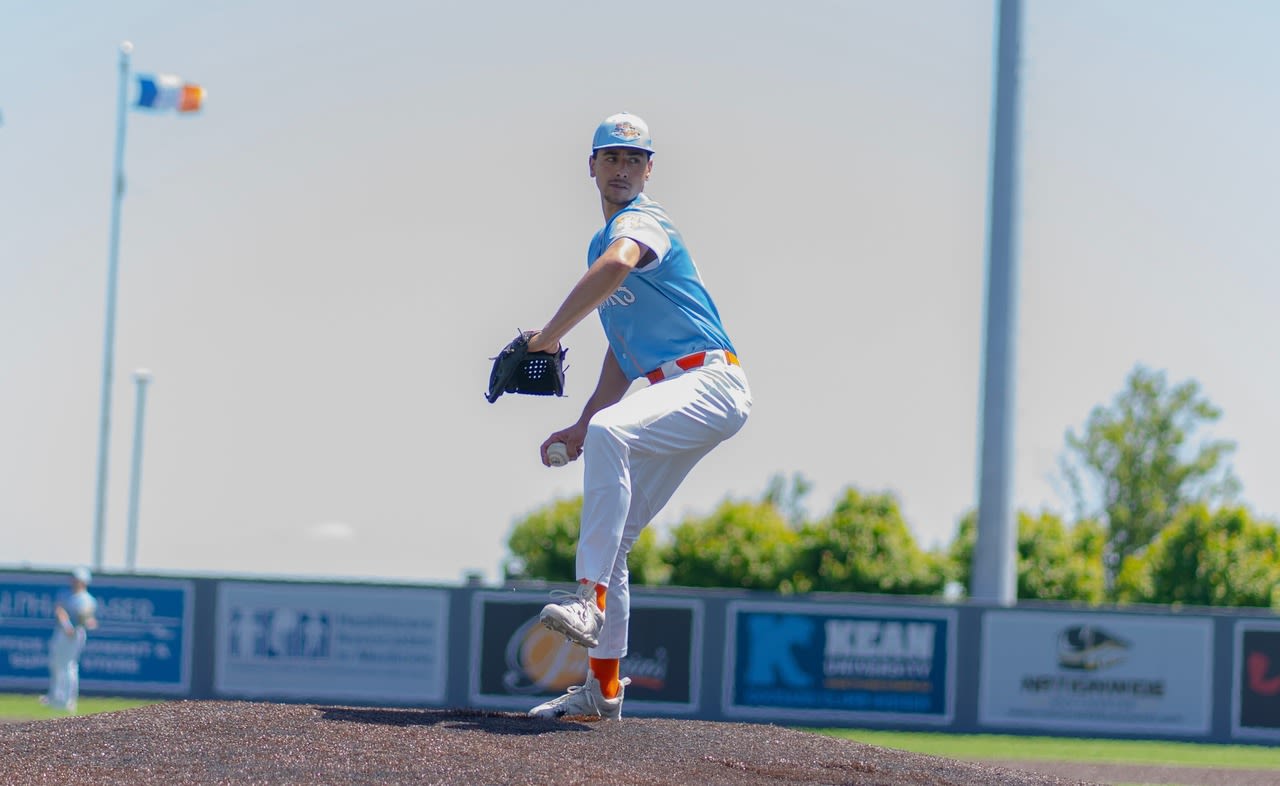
(1205, 675)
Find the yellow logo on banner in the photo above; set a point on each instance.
(544, 658)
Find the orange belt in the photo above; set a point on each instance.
(687, 362)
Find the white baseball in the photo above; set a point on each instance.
(557, 454)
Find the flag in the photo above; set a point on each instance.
(165, 91)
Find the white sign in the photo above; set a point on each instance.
(1096, 672)
(316, 642)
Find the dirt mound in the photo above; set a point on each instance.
(212, 742)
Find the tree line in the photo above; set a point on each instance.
(1156, 519)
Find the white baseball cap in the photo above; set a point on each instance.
(82, 575)
(622, 130)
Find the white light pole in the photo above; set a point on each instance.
(142, 377)
(995, 565)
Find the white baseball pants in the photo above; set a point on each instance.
(636, 454)
(64, 668)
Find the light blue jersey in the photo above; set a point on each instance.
(79, 605)
(662, 311)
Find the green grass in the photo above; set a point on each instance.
(987, 747)
(17, 707)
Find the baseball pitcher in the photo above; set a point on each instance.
(662, 326)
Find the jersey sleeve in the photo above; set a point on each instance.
(642, 228)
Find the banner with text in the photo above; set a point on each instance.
(819, 662)
(142, 642)
(1255, 696)
(1096, 672)
(319, 642)
(517, 662)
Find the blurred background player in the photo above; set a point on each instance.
(661, 325)
(75, 610)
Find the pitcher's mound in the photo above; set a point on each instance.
(228, 743)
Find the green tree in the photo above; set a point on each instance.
(1136, 464)
(742, 544)
(789, 497)
(1055, 561)
(543, 545)
(864, 545)
(1206, 557)
(648, 560)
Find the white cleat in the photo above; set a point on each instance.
(575, 615)
(584, 700)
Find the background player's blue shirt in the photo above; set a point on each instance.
(662, 311)
(79, 605)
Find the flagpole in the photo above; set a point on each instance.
(113, 258)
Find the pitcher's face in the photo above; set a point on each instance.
(620, 173)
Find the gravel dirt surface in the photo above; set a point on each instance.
(232, 743)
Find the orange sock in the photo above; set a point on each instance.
(606, 671)
(601, 591)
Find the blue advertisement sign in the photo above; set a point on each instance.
(142, 643)
(830, 662)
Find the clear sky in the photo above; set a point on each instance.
(318, 267)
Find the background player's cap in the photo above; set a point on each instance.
(623, 130)
(82, 575)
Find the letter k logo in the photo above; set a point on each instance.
(773, 642)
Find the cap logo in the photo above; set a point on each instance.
(625, 131)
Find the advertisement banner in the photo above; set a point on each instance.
(142, 643)
(322, 642)
(518, 663)
(1096, 672)
(818, 662)
(1255, 697)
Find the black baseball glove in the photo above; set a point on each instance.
(517, 370)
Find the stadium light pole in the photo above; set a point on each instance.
(994, 565)
(141, 378)
(109, 332)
